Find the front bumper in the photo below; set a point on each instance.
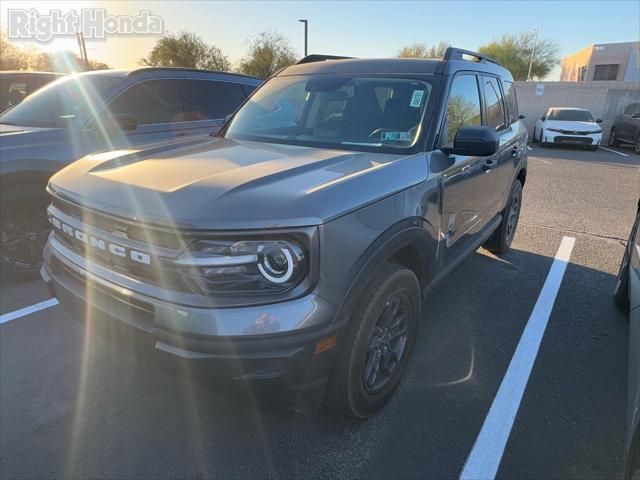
(567, 139)
(261, 347)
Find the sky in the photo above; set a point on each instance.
(360, 28)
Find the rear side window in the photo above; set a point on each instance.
(463, 105)
(512, 102)
(494, 106)
(152, 101)
(211, 99)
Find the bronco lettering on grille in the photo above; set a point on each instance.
(100, 244)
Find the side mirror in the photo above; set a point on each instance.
(125, 122)
(521, 117)
(475, 141)
(543, 118)
(598, 120)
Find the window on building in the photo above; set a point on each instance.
(606, 72)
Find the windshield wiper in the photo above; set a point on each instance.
(362, 144)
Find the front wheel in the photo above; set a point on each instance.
(613, 140)
(24, 229)
(501, 239)
(377, 344)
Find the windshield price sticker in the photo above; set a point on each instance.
(395, 136)
(416, 98)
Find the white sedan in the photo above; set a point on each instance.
(568, 126)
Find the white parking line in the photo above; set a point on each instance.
(7, 317)
(485, 457)
(614, 151)
(529, 148)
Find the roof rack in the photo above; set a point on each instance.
(452, 53)
(319, 58)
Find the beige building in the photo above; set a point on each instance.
(606, 61)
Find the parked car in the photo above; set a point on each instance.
(296, 247)
(568, 126)
(626, 128)
(627, 296)
(92, 111)
(15, 86)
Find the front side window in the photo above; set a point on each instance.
(493, 103)
(211, 99)
(463, 106)
(632, 108)
(335, 111)
(512, 102)
(151, 101)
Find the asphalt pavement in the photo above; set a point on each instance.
(74, 405)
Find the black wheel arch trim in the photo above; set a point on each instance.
(415, 233)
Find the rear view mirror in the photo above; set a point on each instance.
(475, 141)
(598, 120)
(521, 117)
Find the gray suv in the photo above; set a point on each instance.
(83, 113)
(292, 251)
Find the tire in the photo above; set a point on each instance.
(500, 241)
(540, 142)
(533, 137)
(613, 141)
(354, 390)
(24, 229)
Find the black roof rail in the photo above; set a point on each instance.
(319, 58)
(452, 53)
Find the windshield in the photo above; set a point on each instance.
(59, 103)
(571, 115)
(349, 112)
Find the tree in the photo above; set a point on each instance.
(421, 50)
(268, 52)
(13, 57)
(514, 52)
(188, 50)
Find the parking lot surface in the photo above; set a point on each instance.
(74, 405)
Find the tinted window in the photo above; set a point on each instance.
(493, 103)
(59, 103)
(632, 108)
(213, 99)
(248, 89)
(463, 106)
(153, 101)
(512, 103)
(571, 115)
(605, 72)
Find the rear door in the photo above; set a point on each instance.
(209, 102)
(497, 117)
(468, 188)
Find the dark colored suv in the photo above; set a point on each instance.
(626, 128)
(295, 248)
(15, 86)
(87, 112)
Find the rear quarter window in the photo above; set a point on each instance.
(512, 101)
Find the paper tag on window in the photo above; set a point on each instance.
(416, 98)
(395, 136)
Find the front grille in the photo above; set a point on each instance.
(573, 132)
(574, 140)
(149, 235)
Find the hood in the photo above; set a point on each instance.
(214, 183)
(573, 126)
(17, 136)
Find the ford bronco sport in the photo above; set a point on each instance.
(295, 247)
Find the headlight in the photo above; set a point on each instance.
(242, 267)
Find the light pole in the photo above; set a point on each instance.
(533, 51)
(306, 25)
